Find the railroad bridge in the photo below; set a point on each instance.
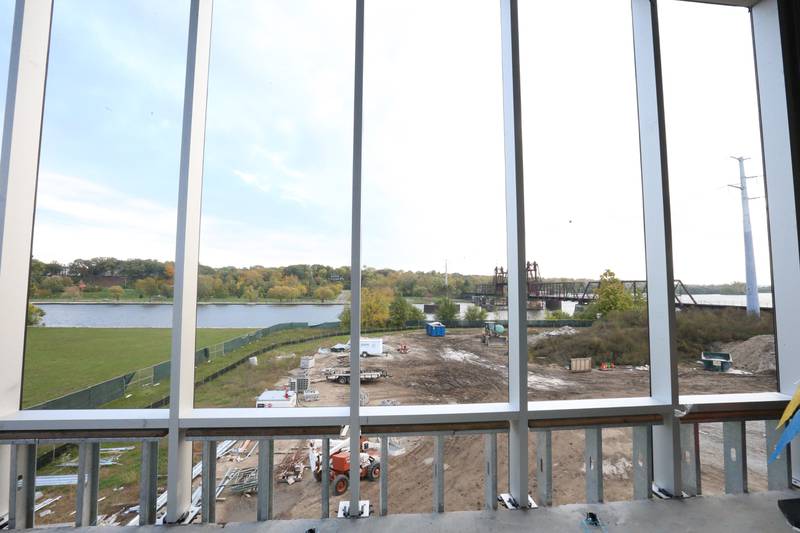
(582, 292)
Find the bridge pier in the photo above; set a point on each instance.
(552, 304)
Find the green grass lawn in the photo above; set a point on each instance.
(62, 360)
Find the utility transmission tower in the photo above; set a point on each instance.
(753, 306)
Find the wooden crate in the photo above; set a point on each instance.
(580, 364)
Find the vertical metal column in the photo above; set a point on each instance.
(209, 482)
(22, 486)
(148, 483)
(266, 459)
(544, 467)
(19, 168)
(593, 458)
(690, 460)
(88, 484)
(735, 449)
(384, 480)
(438, 474)
(780, 193)
(187, 245)
(779, 472)
(642, 462)
(490, 472)
(658, 243)
(355, 266)
(325, 482)
(517, 271)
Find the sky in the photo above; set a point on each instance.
(278, 154)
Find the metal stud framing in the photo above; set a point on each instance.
(19, 159)
(384, 479)
(642, 462)
(209, 482)
(690, 460)
(490, 472)
(148, 483)
(325, 482)
(779, 472)
(735, 457)
(593, 459)
(438, 474)
(88, 484)
(544, 467)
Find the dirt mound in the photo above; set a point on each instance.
(756, 354)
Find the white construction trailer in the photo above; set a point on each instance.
(369, 347)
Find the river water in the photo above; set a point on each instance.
(108, 315)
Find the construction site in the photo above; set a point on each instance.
(415, 367)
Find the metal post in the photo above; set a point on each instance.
(593, 458)
(355, 267)
(325, 470)
(779, 184)
(384, 479)
(690, 460)
(642, 462)
(544, 467)
(490, 472)
(184, 317)
(735, 451)
(148, 483)
(517, 271)
(22, 486)
(209, 482)
(19, 168)
(658, 244)
(88, 484)
(779, 471)
(438, 474)
(753, 305)
(266, 458)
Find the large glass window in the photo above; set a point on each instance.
(433, 215)
(587, 288)
(718, 204)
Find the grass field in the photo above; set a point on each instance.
(62, 360)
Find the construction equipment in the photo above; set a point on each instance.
(369, 459)
(342, 374)
(492, 331)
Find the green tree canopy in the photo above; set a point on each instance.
(475, 313)
(446, 310)
(611, 294)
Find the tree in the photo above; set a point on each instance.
(375, 307)
(401, 312)
(250, 294)
(611, 294)
(324, 293)
(35, 315)
(475, 313)
(116, 292)
(56, 284)
(147, 287)
(344, 317)
(558, 314)
(72, 292)
(446, 310)
(280, 292)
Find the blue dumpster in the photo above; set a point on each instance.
(435, 329)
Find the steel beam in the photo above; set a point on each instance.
(209, 482)
(642, 462)
(517, 268)
(19, 168)
(438, 474)
(88, 484)
(384, 479)
(266, 460)
(148, 483)
(658, 242)
(22, 486)
(779, 175)
(325, 481)
(187, 244)
(544, 467)
(355, 262)
(490, 472)
(779, 472)
(735, 451)
(593, 459)
(690, 460)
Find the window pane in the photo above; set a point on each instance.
(583, 201)
(433, 198)
(711, 115)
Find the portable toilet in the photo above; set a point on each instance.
(435, 329)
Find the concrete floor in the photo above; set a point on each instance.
(724, 514)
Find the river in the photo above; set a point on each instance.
(108, 315)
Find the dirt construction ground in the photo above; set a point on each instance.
(460, 369)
